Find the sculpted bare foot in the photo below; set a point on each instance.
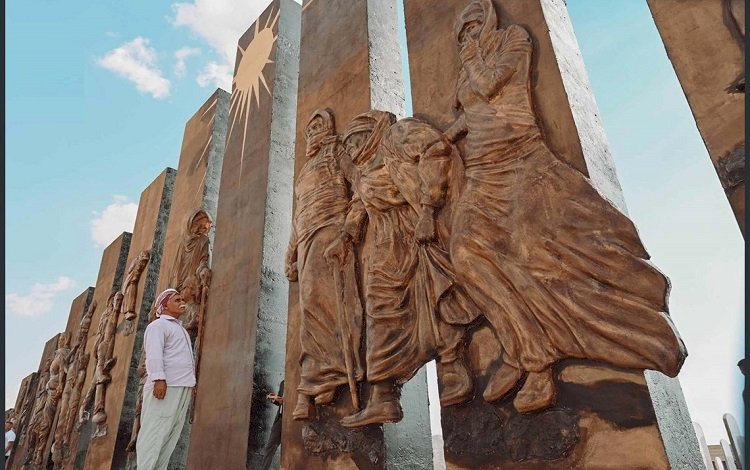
(537, 393)
(504, 380)
(376, 413)
(456, 385)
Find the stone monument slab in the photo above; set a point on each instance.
(505, 83)
(107, 448)
(242, 355)
(705, 42)
(358, 74)
(108, 283)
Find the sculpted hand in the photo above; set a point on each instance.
(205, 276)
(425, 230)
(160, 389)
(338, 250)
(469, 49)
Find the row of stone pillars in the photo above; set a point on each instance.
(239, 159)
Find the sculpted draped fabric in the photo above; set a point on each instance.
(322, 199)
(558, 271)
(405, 281)
(190, 273)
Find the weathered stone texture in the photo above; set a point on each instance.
(148, 234)
(242, 356)
(705, 42)
(109, 280)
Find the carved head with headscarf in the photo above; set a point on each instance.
(364, 133)
(478, 20)
(193, 253)
(320, 125)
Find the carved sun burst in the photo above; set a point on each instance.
(249, 75)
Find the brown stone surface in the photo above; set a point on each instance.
(68, 409)
(341, 81)
(227, 389)
(530, 130)
(109, 281)
(196, 186)
(22, 412)
(24, 449)
(705, 42)
(148, 234)
(77, 309)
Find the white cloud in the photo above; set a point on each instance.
(219, 75)
(181, 55)
(220, 23)
(116, 218)
(41, 298)
(136, 61)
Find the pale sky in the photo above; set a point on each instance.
(97, 104)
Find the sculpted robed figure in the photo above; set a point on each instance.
(321, 203)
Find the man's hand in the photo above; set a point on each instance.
(160, 389)
(278, 399)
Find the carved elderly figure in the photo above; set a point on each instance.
(190, 273)
(104, 360)
(130, 286)
(76, 375)
(321, 202)
(55, 386)
(37, 415)
(408, 284)
(557, 270)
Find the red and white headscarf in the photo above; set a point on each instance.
(161, 301)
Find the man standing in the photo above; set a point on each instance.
(274, 438)
(170, 378)
(10, 438)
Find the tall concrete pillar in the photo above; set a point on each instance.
(565, 110)
(705, 40)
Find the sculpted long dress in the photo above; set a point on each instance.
(409, 289)
(558, 271)
(322, 200)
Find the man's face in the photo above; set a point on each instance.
(8, 426)
(176, 306)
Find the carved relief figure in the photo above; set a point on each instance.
(37, 415)
(190, 273)
(70, 379)
(557, 270)
(322, 198)
(405, 281)
(103, 355)
(76, 375)
(55, 385)
(130, 288)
